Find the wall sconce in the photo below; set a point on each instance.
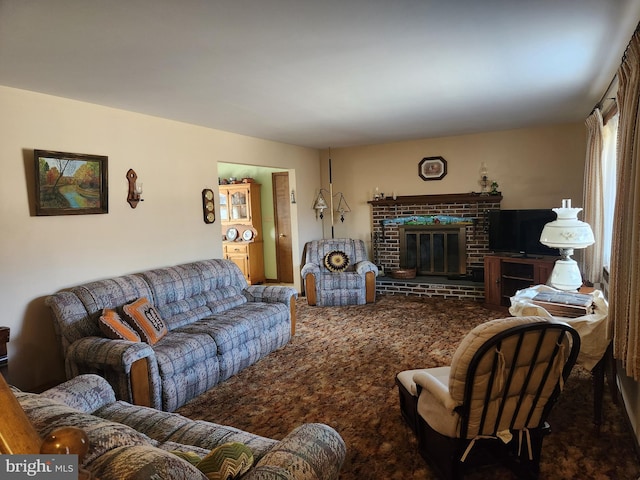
(135, 189)
(320, 203)
(343, 206)
(293, 196)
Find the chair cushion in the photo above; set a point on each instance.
(238, 327)
(171, 429)
(406, 377)
(225, 298)
(179, 294)
(316, 250)
(341, 281)
(408, 393)
(470, 344)
(434, 412)
(178, 351)
(485, 418)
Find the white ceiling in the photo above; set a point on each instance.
(323, 73)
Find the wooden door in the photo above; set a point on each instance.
(282, 213)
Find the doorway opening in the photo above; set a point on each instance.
(271, 239)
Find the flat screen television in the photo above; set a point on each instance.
(518, 231)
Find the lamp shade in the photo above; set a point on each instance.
(320, 203)
(567, 231)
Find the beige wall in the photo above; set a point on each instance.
(534, 167)
(175, 161)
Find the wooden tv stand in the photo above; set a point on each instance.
(505, 274)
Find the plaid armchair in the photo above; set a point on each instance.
(338, 272)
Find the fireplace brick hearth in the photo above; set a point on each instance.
(386, 241)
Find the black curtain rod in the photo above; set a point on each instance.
(615, 76)
(604, 95)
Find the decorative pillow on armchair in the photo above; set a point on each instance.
(145, 319)
(336, 261)
(112, 326)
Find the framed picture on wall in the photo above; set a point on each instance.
(432, 168)
(70, 183)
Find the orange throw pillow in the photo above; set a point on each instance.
(145, 319)
(112, 326)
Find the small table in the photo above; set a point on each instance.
(595, 341)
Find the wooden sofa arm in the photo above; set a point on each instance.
(17, 435)
(140, 386)
(310, 289)
(370, 285)
(292, 311)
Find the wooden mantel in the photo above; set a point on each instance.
(441, 198)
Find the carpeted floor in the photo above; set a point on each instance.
(340, 367)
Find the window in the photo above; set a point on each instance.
(609, 144)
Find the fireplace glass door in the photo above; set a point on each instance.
(433, 250)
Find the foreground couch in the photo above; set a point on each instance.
(133, 442)
(194, 325)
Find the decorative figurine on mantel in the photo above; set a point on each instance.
(494, 188)
(484, 179)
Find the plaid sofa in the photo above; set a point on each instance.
(217, 325)
(140, 443)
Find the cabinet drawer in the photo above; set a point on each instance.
(240, 248)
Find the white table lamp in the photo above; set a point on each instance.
(566, 233)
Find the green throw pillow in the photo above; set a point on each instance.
(225, 462)
(191, 457)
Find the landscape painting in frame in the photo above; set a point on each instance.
(70, 183)
(432, 168)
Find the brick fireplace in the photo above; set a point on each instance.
(392, 218)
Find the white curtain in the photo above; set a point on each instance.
(609, 144)
(593, 198)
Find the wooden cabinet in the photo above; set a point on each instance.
(504, 275)
(249, 257)
(240, 204)
(240, 210)
(492, 290)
